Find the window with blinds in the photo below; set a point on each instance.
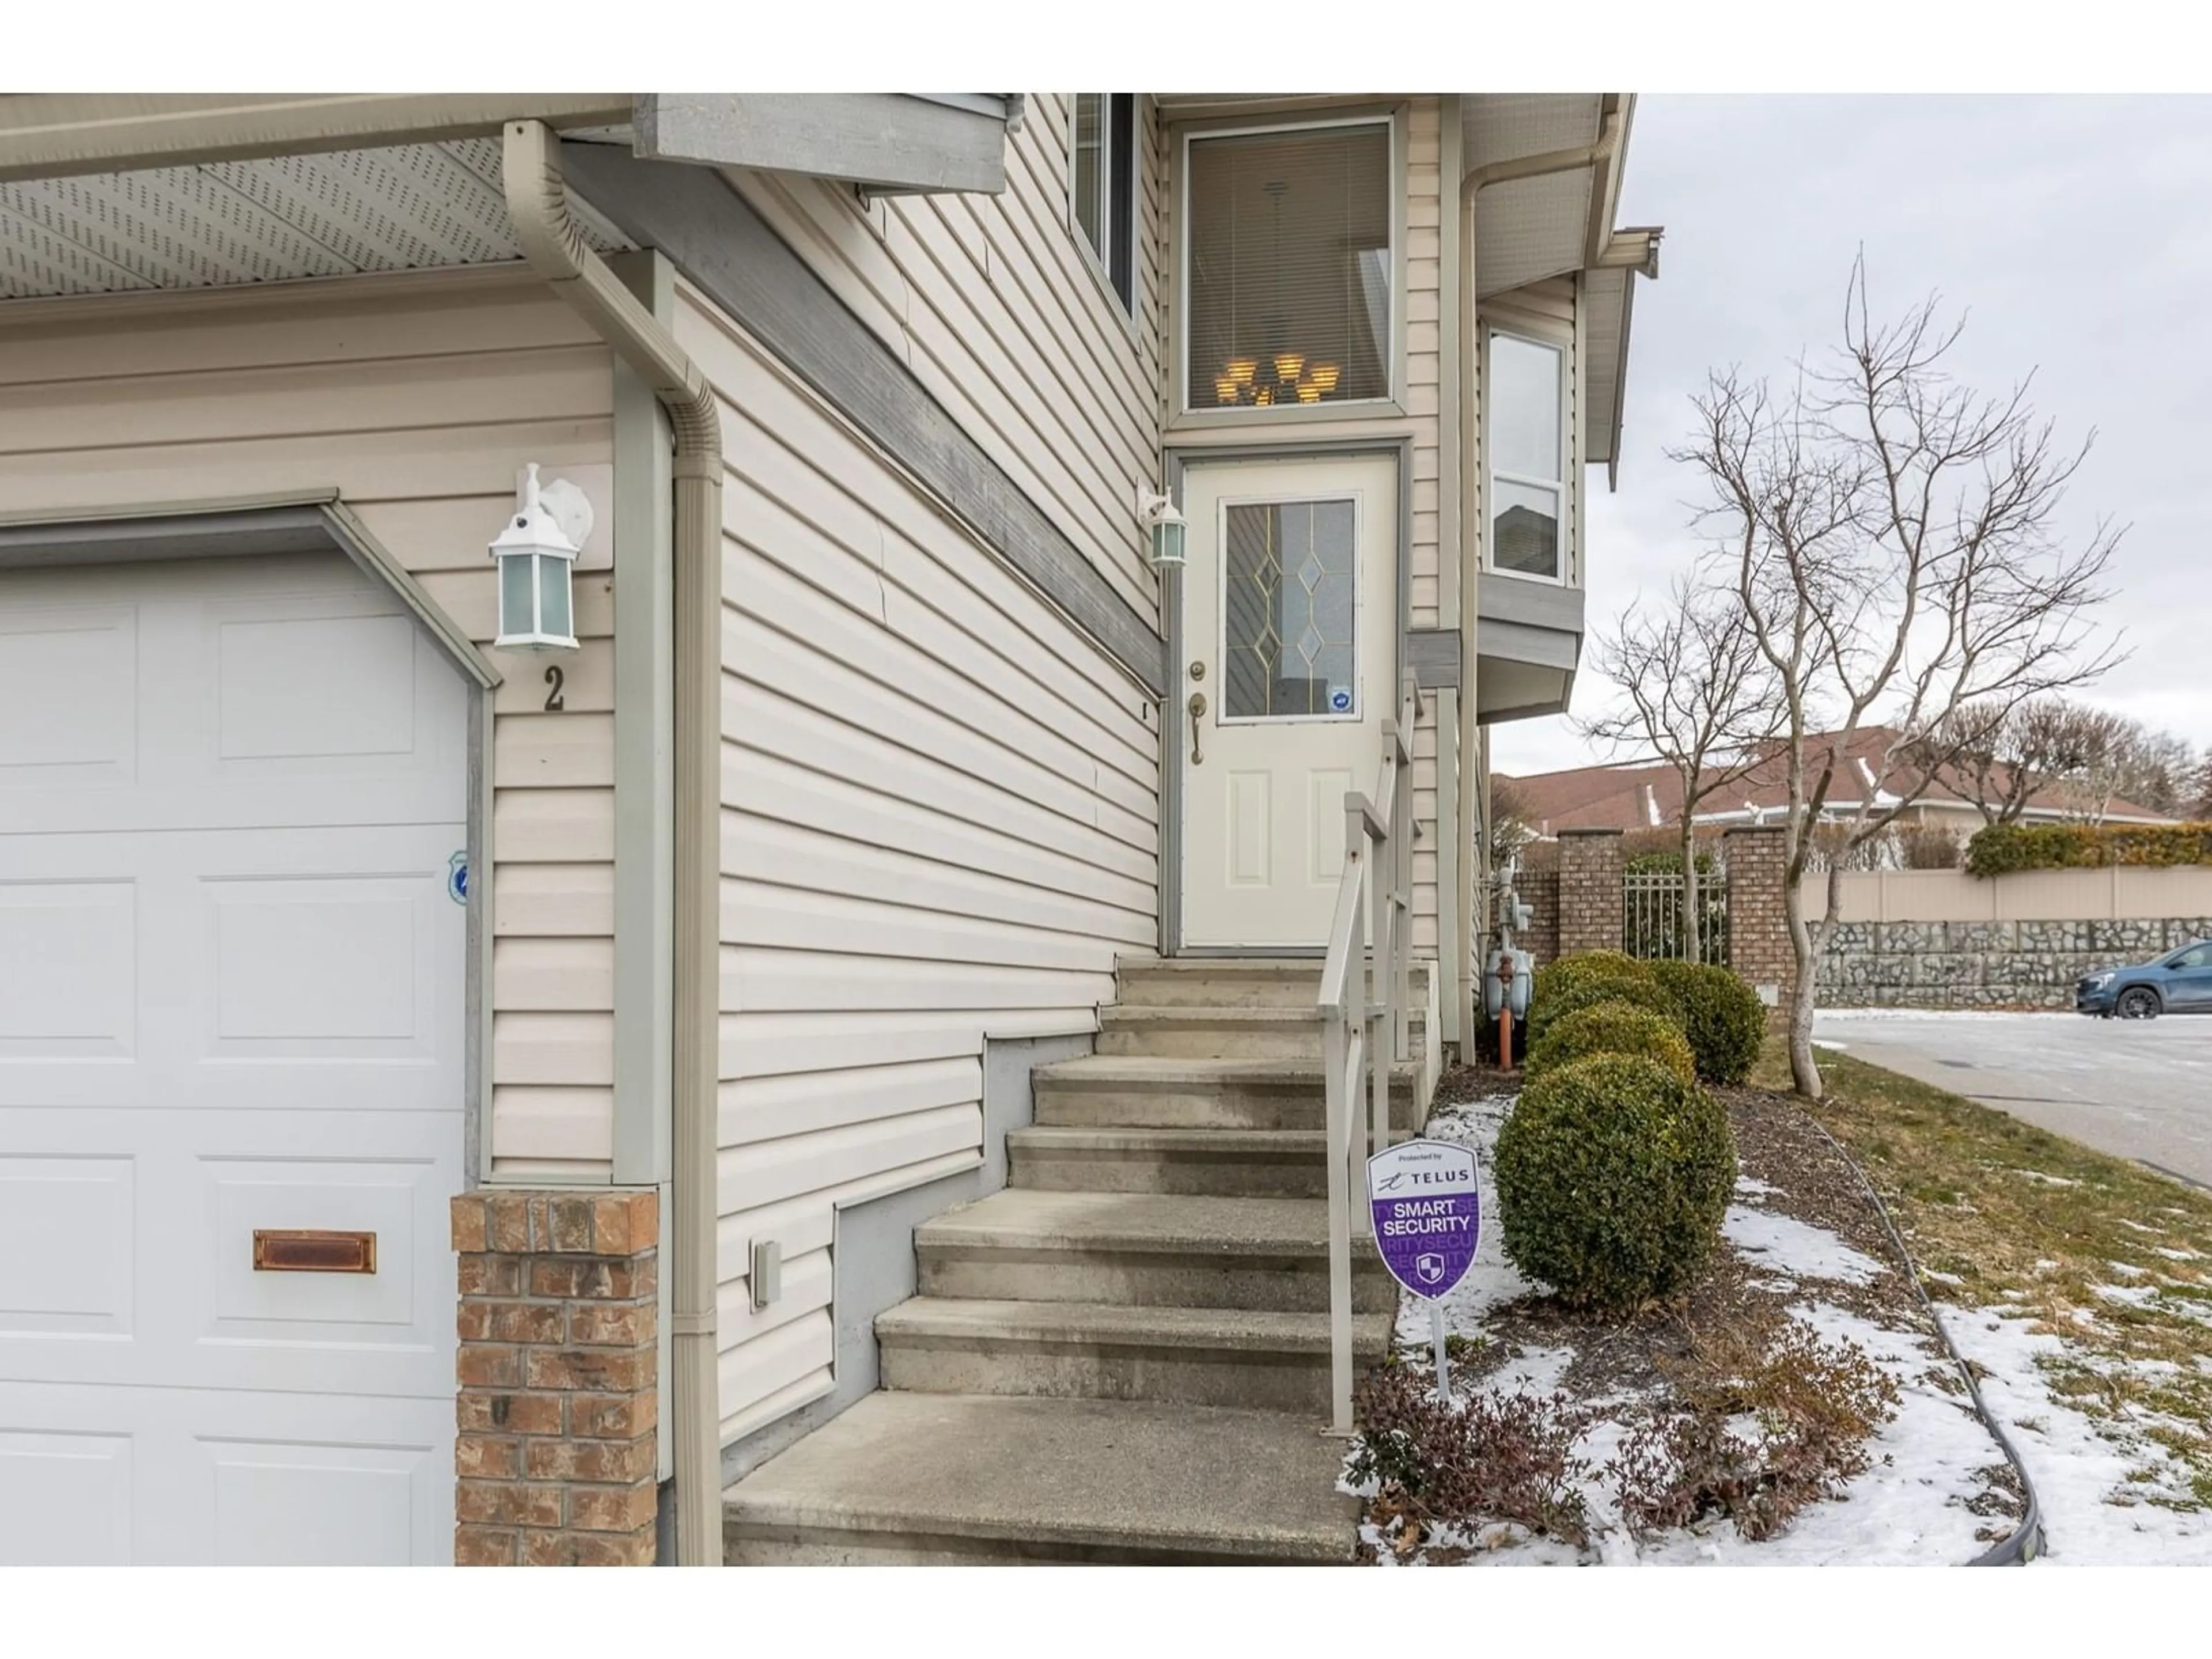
(1290, 264)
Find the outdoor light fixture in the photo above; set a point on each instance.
(1168, 527)
(537, 562)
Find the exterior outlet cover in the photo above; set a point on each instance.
(767, 1271)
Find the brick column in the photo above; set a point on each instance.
(1758, 927)
(1589, 891)
(554, 1458)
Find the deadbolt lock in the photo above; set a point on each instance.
(1198, 670)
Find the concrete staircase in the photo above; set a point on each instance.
(1124, 1355)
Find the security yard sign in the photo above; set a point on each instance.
(1427, 1209)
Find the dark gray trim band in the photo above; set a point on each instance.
(1433, 655)
(715, 238)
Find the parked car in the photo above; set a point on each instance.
(2179, 982)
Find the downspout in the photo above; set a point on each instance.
(555, 249)
(1471, 184)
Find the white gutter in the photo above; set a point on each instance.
(1475, 180)
(555, 249)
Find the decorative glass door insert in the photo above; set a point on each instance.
(1289, 609)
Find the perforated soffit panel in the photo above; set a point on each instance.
(411, 207)
(1530, 228)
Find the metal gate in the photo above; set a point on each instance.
(1652, 905)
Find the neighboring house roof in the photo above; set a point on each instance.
(1650, 796)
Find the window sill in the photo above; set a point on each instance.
(1366, 409)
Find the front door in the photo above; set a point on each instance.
(1290, 617)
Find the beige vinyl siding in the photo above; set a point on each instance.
(998, 308)
(940, 823)
(417, 398)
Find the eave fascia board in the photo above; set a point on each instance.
(58, 135)
(885, 143)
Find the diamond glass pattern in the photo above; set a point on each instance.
(1287, 612)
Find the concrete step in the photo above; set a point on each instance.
(1253, 1359)
(1154, 1091)
(945, 1480)
(1226, 1163)
(1144, 1249)
(1231, 981)
(1196, 1033)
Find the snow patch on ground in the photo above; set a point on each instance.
(1943, 1015)
(2047, 1180)
(1775, 1242)
(1907, 1509)
(2171, 1255)
(2093, 1514)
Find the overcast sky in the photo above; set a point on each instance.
(2075, 232)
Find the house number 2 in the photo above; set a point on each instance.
(554, 703)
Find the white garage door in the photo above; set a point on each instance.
(232, 998)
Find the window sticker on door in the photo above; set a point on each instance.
(1339, 698)
(457, 878)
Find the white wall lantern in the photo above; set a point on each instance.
(1168, 528)
(537, 560)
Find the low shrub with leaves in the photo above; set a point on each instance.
(1640, 989)
(1612, 1028)
(1767, 1418)
(1612, 1177)
(1493, 1457)
(1556, 976)
(1720, 1014)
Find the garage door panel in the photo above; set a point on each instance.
(70, 1498)
(68, 970)
(68, 697)
(68, 1230)
(232, 997)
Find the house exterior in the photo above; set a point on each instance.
(1650, 797)
(467, 1101)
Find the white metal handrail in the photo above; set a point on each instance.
(1365, 993)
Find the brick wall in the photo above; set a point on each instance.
(555, 1455)
(1759, 928)
(1589, 908)
(1540, 891)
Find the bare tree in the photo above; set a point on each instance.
(2001, 759)
(1699, 698)
(1894, 538)
(1510, 827)
(2198, 806)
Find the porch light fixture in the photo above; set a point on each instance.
(537, 565)
(1168, 527)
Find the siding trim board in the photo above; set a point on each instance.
(724, 246)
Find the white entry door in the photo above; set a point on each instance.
(1290, 610)
(231, 1002)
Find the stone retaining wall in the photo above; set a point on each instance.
(1985, 964)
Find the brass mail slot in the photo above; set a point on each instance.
(312, 1251)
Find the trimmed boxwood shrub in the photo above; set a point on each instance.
(1721, 1015)
(1613, 1028)
(1554, 977)
(1612, 1177)
(1587, 990)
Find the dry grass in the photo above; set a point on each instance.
(2112, 1257)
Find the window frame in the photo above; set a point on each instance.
(1114, 266)
(1564, 349)
(1220, 643)
(1182, 412)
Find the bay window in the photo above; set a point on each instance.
(1289, 267)
(1524, 405)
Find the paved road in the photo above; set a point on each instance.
(2138, 1089)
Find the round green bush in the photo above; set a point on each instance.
(1554, 977)
(1587, 990)
(1612, 1177)
(1613, 1028)
(1721, 1015)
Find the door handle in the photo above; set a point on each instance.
(1197, 710)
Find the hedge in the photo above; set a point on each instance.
(2004, 847)
(1721, 1015)
(1642, 990)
